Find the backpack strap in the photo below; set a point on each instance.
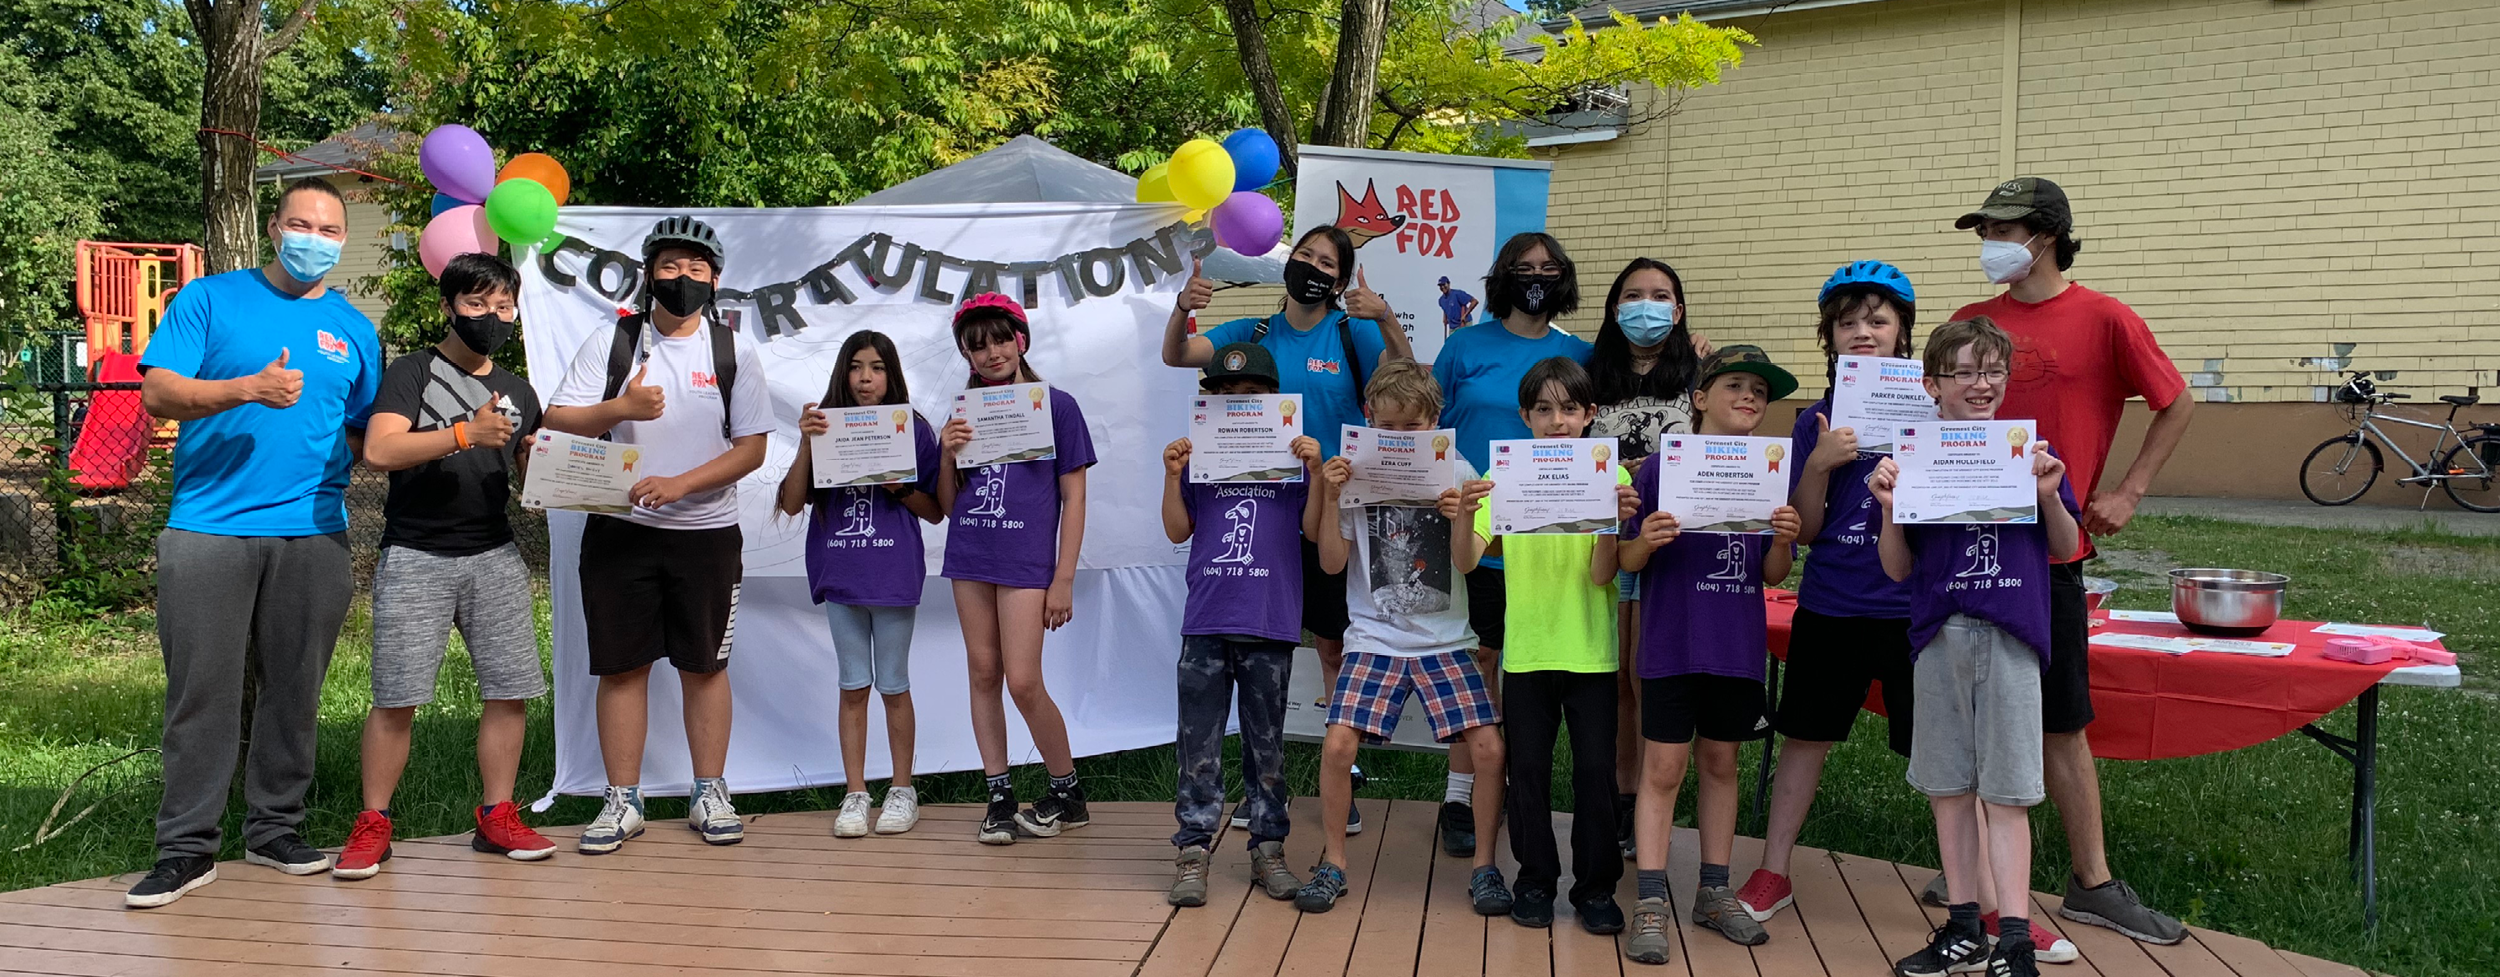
(625, 348)
(621, 350)
(724, 369)
(1353, 360)
(1258, 333)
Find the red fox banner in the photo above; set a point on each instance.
(1425, 227)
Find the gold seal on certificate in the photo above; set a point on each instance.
(1722, 483)
(1244, 438)
(866, 446)
(1009, 424)
(1554, 486)
(568, 471)
(1399, 468)
(1875, 395)
(1965, 472)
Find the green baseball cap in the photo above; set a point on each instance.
(2018, 198)
(1747, 359)
(1240, 361)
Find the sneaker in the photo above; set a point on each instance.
(1267, 868)
(1935, 893)
(368, 846)
(619, 821)
(1716, 907)
(998, 827)
(1625, 806)
(902, 810)
(2046, 945)
(1649, 940)
(1766, 893)
(1189, 878)
(500, 832)
(288, 853)
(1320, 894)
(1947, 952)
(2114, 904)
(1353, 820)
(853, 821)
(711, 815)
(1601, 916)
(1355, 772)
(1057, 811)
(1532, 907)
(1241, 815)
(1491, 895)
(2013, 960)
(1458, 829)
(171, 879)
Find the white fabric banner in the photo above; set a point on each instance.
(1099, 281)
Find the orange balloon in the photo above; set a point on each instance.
(542, 168)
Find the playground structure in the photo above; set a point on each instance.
(122, 291)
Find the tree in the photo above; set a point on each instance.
(1346, 109)
(45, 207)
(1259, 68)
(237, 43)
(1448, 82)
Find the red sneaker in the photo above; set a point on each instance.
(2047, 945)
(1766, 893)
(368, 846)
(500, 832)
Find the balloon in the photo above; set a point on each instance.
(1254, 158)
(1201, 173)
(521, 211)
(457, 162)
(1249, 223)
(542, 168)
(1153, 186)
(442, 202)
(453, 233)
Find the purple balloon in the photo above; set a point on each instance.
(1248, 222)
(457, 161)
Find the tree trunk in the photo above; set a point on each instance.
(1363, 28)
(231, 38)
(1250, 42)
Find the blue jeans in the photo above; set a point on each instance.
(872, 645)
(1212, 668)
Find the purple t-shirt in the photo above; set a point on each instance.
(863, 546)
(1245, 559)
(1996, 573)
(1844, 573)
(1005, 527)
(1701, 599)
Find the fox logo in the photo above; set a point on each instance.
(1364, 219)
(334, 347)
(704, 381)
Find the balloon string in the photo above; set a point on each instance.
(283, 154)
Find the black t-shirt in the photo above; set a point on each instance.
(453, 506)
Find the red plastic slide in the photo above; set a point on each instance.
(113, 444)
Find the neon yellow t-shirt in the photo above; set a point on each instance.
(1557, 619)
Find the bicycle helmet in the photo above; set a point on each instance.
(684, 232)
(1875, 273)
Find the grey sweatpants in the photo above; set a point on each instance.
(280, 601)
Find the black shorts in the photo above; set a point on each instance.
(650, 593)
(1831, 661)
(1717, 707)
(1488, 605)
(1323, 596)
(2066, 686)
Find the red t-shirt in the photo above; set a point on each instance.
(2078, 357)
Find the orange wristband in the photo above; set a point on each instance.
(460, 434)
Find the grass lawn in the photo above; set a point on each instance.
(2250, 842)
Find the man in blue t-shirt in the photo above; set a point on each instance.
(271, 374)
(1456, 307)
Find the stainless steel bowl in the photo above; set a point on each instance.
(2233, 602)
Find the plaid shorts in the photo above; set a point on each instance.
(1372, 688)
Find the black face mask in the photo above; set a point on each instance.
(683, 295)
(482, 334)
(1531, 293)
(1305, 283)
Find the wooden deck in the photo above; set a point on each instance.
(794, 899)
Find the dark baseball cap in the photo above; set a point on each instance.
(1240, 361)
(2019, 198)
(1747, 359)
(1445, 279)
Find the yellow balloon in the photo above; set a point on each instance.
(1194, 216)
(1154, 186)
(1201, 174)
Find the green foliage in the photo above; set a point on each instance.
(1442, 82)
(44, 208)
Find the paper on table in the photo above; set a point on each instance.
(1009, 424)
(1244, 438)
(1872, 395)
(2235, 646)
(1965, 472)
(2143, 642)
(1399, 468)
(866, 446)
(1554, 486)
(568, 471)
(2146, 617)
(2383, 630)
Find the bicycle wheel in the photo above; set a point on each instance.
(2339, 469)
(2473, 469)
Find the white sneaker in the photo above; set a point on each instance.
(711, 816)
(902, 810)
(619, 821)
(853, 821)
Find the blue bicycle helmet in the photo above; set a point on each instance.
(1876, 273)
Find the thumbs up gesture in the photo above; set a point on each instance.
(1199, 291)
(274, 385)
(642, 401)
(488, 428)
(1363, 303)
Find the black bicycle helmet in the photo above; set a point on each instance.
(684, 232)
(1875, 273)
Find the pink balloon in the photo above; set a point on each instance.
(1248, 222)
(453, 233)
(456, 160)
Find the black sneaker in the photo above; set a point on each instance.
(288, 853)
(1532, 907)
(1355, 771)
(1353, 820)
(2013, 959)
(1320, 894)
(1625, 806)
(1601, 916)
(172, 877)
(998, 827)
(1057, 811)
(1241, 815)
(1491, 896)
(1458, 829)
(1947, 952)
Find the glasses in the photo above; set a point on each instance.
(1968, 377)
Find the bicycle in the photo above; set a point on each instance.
(2342, 468)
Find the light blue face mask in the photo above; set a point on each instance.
(1646, 323)
(307, 257)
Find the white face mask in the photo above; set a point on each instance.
(2005, 262)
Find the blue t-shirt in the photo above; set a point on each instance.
(1479, 370)
(1844, 572)
(256, 470)
(1453, 305)
(1311, 362)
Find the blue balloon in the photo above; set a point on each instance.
(442, 202)
(1254, 158)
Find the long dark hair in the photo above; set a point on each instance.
(1566, 298)
(1345, 259)
(1610, 365)
(838, 389)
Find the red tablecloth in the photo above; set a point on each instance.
(2150, 705)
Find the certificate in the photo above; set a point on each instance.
(1873, 395)
(568, 471)
(1400, 468)
(866, 446)
(1557, 486)
(1009, 424)
(1722, 483)
(1965, 472)
(1245, 438)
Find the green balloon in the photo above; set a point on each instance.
(521, 211)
